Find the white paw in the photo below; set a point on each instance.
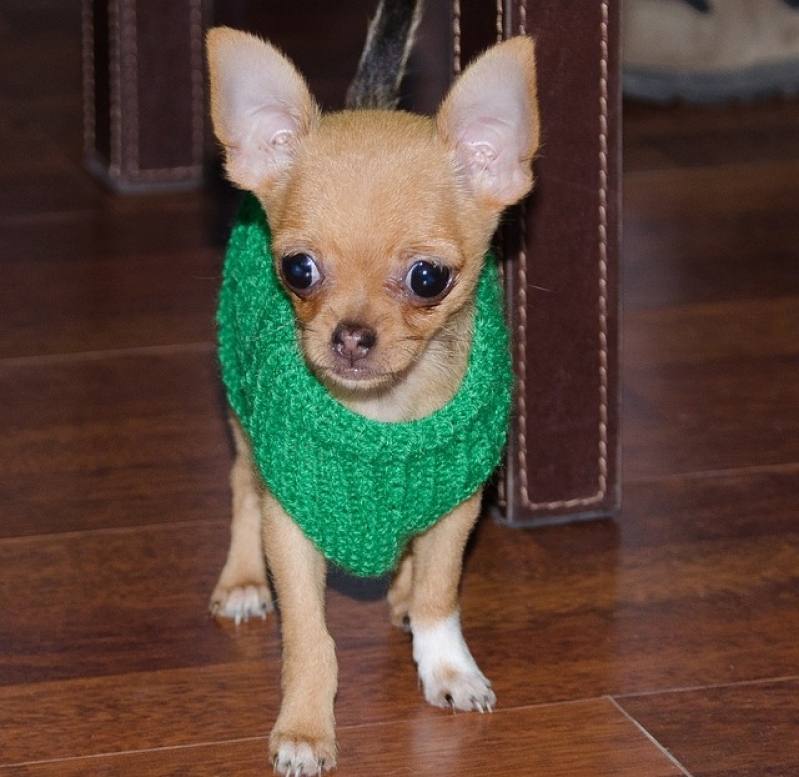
(450, 676)
(300, 758)
(242, 602)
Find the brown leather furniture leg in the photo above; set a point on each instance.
(144, 107)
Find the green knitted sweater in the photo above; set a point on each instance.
(359, 489)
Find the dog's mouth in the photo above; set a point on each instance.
(359, 376)
(356, 375)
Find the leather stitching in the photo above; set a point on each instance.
(88, 64)
(500, 24)
(197, 88)
(115, 88)
(456, 38)
(129, 65)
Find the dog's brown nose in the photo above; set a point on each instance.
(353, 340)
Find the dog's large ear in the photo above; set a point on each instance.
(260, 106)
(490, 120)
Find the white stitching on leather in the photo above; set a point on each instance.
(603, 254)
(129, 58)
(500, 25)
(87, 60)
(197, 93)
(523, 17)
(114, 96)
(521, 332)
(456, 38)
(602, 448)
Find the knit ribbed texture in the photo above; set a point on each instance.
(359, 489)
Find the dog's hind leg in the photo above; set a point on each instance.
(242, 590)
(303, 738)
(448, 672)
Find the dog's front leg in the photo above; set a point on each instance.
(242, 590)
(303, 738)
(450, 676)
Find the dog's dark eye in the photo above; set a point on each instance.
(428, 280)
(300, 272)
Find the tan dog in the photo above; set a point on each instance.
(380, 222)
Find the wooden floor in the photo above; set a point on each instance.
(663, 643)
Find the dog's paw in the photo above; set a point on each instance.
(240, 603)
(459, 690)
(296, 756)
(450, 676)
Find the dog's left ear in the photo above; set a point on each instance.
(260, 106)
(490, 120)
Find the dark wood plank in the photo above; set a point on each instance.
(125, 227)
(40, 77)
(683, 418)
(53, 192)
(710, 234)
(98, 303)
(117, 603)
(740, 731)
(39, 171)
(112, 440)
(98, 618)
(686, 136)
(740, 330)
(711, 352)
(697, 584)
(588, 738)
(730, 508)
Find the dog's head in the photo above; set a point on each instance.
(380, 219)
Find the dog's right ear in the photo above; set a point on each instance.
(490, 120)
(260, 106)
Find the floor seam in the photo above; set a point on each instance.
(662, 748)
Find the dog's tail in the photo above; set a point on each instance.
(388, 44)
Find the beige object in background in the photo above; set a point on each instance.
(734, 49)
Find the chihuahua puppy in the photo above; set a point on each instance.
(380, 223)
